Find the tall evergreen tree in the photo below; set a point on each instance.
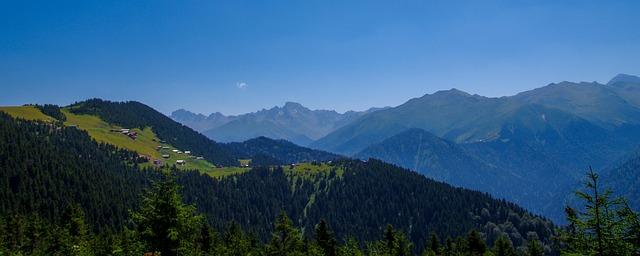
(602, 228)
(503, 247)
(164, 222)
(286, 239)
(476, 243)
(534, 247)
(350, 248)
(325, 238)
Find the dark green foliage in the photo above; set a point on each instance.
(534, 247)
(52, 111)
(252, 199)
(44, 169)
(503, 247)
(607, 225)
(351, 204)
(164, 223)
(406, 199)
(433, 247)
(132, 114)
(325, 238)
(286, 239)
(282, 151)
(475, 244)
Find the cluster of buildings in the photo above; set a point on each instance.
(166, 155)
(128, 132)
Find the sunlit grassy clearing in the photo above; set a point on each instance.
(26, 112)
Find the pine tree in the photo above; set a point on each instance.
(503, 247)
(78, 233)
(164, 222)
(325, 238)
(476, 243)
(389, 239)
(234, 242)
(350, 248)
(534, 247)
(286, 239)
(602, 228)
(434, 244)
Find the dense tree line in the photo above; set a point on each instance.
(164, 225)
(45, 168)
(418, 206)
(360, 203)
(133, 114)
(282, 151)
(52, 111)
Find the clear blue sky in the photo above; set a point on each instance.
(240, 56)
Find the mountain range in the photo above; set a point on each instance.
(528, 148)
(292, 122)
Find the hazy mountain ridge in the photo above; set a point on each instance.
(292, 122)
(547, 137)
(463, 118)
(200, 122)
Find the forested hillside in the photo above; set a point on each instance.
(624, 179)
(282, 151)
(134, 114)
(262, 151)
(74, 173)
(445, 161)
(46, 169)
(359, 202)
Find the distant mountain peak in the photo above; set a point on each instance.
(294, 105)
(624, 78)
(186, 114)
(452, 91)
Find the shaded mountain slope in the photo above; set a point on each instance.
(354, 197)
(280, 151)
(453, 115)
(445, 161)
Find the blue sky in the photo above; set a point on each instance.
(241, 56)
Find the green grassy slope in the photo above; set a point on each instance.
(147, 143)
(26, 112)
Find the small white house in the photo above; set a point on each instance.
(181, 162)
(175, 151)
(187, 152)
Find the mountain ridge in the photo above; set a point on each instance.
(291, 121)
